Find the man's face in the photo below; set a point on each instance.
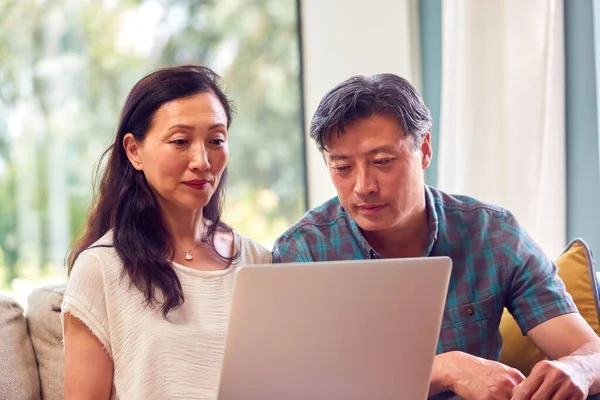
(378, 172)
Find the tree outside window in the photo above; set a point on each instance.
(65, 69)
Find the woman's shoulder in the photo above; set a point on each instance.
(251, 251)
(101, 254)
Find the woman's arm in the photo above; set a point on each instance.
(88, 369)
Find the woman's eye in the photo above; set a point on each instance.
(179, 142)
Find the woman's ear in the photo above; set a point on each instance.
(132, 148)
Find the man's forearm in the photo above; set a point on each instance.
(439, 375)
(588, 357)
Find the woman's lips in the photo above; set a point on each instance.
(197, 184)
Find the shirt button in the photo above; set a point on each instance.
(469, 310)
(372, 253)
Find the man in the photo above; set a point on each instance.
(374, 134)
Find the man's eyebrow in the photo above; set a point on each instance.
(338, 157)
(372, 152)
(381, 149)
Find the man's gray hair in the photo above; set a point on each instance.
(360, 97)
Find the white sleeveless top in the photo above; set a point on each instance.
(156, 358)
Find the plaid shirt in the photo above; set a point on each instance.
(495, 265)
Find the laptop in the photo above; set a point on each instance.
(364, 329)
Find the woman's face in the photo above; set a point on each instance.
(184, 153)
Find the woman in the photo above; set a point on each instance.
(146, 308)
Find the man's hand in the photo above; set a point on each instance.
(576, 347)
(554, 380)
(473, 378)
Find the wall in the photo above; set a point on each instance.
(341, 38)
(582, 19)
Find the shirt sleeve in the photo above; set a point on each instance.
(535, 292)
(85, 297)
(285, 250)
(252, 252)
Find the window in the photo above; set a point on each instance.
(65, 69)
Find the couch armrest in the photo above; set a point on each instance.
(19, 377)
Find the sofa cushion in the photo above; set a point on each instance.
(576, 269)
(45, 329)
(19, 378)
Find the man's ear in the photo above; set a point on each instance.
(132, 148)
(426, 151)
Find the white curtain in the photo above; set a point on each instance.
(502, 128)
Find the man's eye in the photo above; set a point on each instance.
(218, 142)
(341, 168)
(383, 162)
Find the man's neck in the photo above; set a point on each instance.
(408, 240)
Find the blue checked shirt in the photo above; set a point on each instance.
(495, 265)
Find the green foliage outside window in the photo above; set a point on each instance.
(65, 69)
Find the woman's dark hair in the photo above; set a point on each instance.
(126, 204)
(360, 97)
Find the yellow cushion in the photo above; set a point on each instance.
(576, 269)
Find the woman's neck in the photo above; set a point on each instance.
(186, 227)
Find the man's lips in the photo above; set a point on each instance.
(371, 208)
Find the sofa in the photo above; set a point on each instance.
(31, 352)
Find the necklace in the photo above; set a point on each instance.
(188, 256)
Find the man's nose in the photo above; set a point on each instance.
(365, 182)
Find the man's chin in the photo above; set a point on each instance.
(371, 224)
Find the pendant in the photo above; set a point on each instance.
(188, 256)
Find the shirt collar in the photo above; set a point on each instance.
(432, 221)
(432, 218)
